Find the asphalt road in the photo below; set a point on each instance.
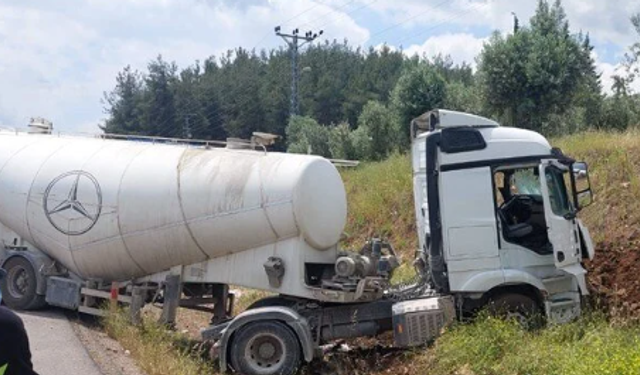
(55, 348)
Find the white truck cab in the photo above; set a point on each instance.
(496, 214)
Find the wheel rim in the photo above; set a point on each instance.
(265, 353)
(518, 316)
(18, 282)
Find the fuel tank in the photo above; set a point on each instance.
(116, 210)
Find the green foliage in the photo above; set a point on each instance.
(538, 72)
(540, 77)
(419, 89)
(620, 112)
(123, 103)
(341, 142)
(375, 134)
(158, 102)
(380, 201)
(361, 141)
(463, 97)
(306, 136)
(158, 351)
(244, 91)
(490, 346)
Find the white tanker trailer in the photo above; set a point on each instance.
(78, 214)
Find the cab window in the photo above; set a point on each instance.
(558, 185)
(520, 208)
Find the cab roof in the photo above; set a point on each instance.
(501, 142)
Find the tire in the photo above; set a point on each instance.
(519, 307)
(19, 286)
(265, 348)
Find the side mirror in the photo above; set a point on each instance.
(585, 198)
(581, 184)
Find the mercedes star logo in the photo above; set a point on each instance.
(73, 202)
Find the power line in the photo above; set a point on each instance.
(442, 22)
(408, 19)
(333, 10)
(219, 117)
(348, 13)
(220, 113)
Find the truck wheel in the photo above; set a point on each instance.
(19, 287)
(265, 348)
(519, 307)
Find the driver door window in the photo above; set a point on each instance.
(520, 209)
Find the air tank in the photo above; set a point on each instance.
(116, 210)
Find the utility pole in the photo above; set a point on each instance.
(295, 41)
(186, 129)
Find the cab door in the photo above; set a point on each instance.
(560, 214)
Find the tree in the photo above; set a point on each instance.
(328, 72)
(275, 92)
(159, 107)
(122, 105)
(210, 99)
(589, 92)
(239, 81)
(537, 72)
(463, 97)
(418, 90)
(631, 60)
(190, 118)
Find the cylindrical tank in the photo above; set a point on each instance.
(116, 210)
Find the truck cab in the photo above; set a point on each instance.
(496, 211)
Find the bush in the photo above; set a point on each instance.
(341, 143)
(376, 138)
(306, 136)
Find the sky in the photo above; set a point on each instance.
(57, 58)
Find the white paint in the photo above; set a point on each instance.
(165, 205)
(476, 261)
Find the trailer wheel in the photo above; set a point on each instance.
(519, 307)
(265, 348)
(19, 287)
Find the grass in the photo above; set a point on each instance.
(591, 345)
(380, 194)
(380, 203)
(614, 162)
(380, 198)
(159, 351)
